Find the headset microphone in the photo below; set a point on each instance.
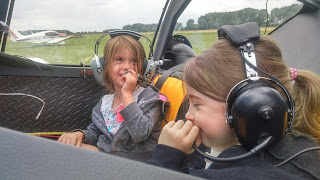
(257, 112)
(253, 151)
(141, 78)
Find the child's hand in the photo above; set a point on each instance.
(180, 135)
(74, 138)
(131, 80)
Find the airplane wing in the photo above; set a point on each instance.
(56, 40)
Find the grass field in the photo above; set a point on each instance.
(79, 49)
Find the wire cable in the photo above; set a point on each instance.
(40, 74)
(253, 151)
(8, 82)
(48, 136)
(256, 68)
(187, 55)
(46, 133)
(29, 95)
(297, 154)
(22, 94)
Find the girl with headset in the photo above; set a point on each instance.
(208, 79)
(127, 122)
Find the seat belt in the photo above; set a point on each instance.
(166, 74)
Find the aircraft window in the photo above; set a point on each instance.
(54, 34)
(48, 34)
(51, 33)
(200, 20)
(57, 37)
(67, 35)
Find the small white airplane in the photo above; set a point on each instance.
(47, 37)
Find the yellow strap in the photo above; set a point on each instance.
(46, 133)
(173, 89)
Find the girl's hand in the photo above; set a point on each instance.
(180, 135)
(130, 82)
(74, 138)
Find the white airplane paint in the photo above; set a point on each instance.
(47, 37)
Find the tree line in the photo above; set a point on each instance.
(213, 20)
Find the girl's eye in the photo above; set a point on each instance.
(195, 105)
(119, 59)
(133, 61)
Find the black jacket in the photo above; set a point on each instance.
(305, 166)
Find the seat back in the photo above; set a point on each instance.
(169, 81)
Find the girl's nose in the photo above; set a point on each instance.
(189, 115)
(126, 66)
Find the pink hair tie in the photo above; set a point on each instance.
(293, 74)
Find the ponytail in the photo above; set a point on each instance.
(307, 100)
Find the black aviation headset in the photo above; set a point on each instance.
(97, 64)
(256, 111)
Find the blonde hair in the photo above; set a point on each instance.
(307, 99)
(112, 46)
(216, 70)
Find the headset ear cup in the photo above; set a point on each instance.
(232, 96)
(97, 70)
(102, 63)
(258, 110)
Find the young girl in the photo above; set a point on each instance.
(208, 79)
(126, 123)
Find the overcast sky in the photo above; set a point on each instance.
(98, 15)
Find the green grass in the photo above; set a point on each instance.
(79, 49)
(201, 41)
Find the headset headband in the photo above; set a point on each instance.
(245, 36)
(240, 34)
(115, 33)
(125, 32)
